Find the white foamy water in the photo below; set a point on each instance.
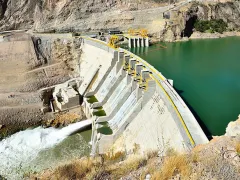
(18, 150)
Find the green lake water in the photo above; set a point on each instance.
(206, 75)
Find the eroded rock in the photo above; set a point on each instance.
(233, 128)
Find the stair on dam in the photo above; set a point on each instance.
(129, 105)
(129, 99)
(106, 86)
(123, 103)
(122, 91)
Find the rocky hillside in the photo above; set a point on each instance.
(93, 15)
(182, 20)
(29, 67)
(64, 14)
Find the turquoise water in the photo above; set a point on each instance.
(206, 74)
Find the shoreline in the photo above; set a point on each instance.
(199, 35)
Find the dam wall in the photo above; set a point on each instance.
(131, 103)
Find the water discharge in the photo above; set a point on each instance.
(19, 150)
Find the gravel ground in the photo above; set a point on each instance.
(25, 69)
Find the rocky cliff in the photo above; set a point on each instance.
(233, 128)
(181, 23)
(93, 15)
(17, 14)
(66, 14)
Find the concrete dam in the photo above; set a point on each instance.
(129, 102)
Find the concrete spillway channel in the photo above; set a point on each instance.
(126, 97)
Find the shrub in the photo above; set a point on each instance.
(195, 157)
(131, 164)
(202, 26)
(238, 149)
(152, 154)
(74, 170)
(173, 164)
(214, 25)
(114, 156)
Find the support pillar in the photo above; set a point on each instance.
(120, 61)
(126, 62)
(138, 68)
(130, 42)
(142, 42)
(147, 42)
(145, 77)
(132, 66)
(138, 42)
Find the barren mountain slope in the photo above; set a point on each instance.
(93, 15)
(17, 14)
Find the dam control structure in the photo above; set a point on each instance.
(130, 103)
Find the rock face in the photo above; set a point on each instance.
(3, 6)
(17, 14)
(229, 12)
(30, 66)
(56, 14)
(182, 21)
(233, 128)
(93, 15)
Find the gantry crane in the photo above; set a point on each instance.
(113, 41)
(138, 32)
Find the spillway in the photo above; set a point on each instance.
(106, 86)
(18, 151)
(123, 111)
(121, 91)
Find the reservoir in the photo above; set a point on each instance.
(206, 74)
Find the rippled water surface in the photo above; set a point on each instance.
(36, 149)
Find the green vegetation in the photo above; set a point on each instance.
(100, 113)
(105, 130)
(211, 26)
(92, 99)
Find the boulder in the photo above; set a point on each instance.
(233, 128)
